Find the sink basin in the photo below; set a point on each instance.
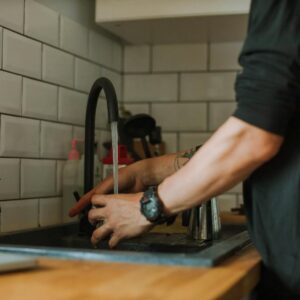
(153, 248)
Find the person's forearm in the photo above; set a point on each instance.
(154, 170)
(229, 157)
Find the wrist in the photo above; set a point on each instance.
(153, 208)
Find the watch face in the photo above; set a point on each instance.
(152, 210)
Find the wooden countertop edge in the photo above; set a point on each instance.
(77, 280)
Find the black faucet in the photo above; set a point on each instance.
(113, 116)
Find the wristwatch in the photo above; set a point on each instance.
(152, 207)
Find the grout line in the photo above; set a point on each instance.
(45, 81)
(46, 120)
(42, 63)
(32, 198)
(233, 71)
(2, 47)
(207, 115)
(208, 63)
(74, 72)
(22, 95)
(178, 87)
(57, 103)
(150, 108)
(33, 158)
(122, 74)
(40, 139)
(24, 16)
(59, 30)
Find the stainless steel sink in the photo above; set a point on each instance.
(153, 248)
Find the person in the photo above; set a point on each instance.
(259, 144)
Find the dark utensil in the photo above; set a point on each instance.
(139, 126)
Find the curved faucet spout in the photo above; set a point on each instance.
(113, 116)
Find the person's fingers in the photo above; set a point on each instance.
(82, 203)
(114, 240)
(101, 200)
(100, 233)
(96, 215)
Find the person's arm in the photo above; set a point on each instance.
(137, 177)
(228, 157)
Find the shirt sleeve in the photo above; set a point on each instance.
(268, 88)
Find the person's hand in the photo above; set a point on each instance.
(130, 181)
(120, 215)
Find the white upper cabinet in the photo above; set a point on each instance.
(173, 21)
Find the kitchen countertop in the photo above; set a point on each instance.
(72, 280)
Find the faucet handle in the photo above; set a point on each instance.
(76, 196)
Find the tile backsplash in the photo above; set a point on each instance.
(48, 63)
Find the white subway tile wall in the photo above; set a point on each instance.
(50, 211)
(10, 178)
(72, 105)
(181, 116)
(227, 202)
(48, 64)
(73, 37)
(20, 137)
(21, 54)
(137, 59)
(207, 86)
(41, 22)
(105, 51)
(58, 66)
(19, 214)
(171, 142)
(151, 87)
(39, 99)
(1, 33)
(184, 57)
(59, 178)
(85, 74)
(223, 56)
(55, 140)
(11, 93)
(45, 76)
(38, 178)
(12, 14)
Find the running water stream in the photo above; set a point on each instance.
(114, 138)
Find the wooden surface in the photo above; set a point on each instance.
(233, 219)
(79, 280)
